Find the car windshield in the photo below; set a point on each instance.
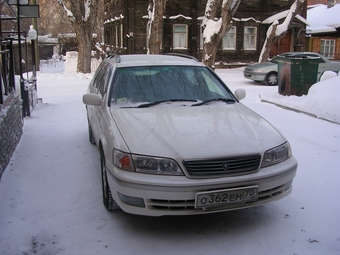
(156, 84)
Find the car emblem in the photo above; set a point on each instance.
(225, 166)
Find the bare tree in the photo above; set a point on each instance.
(276, 31)
(215, 27)
(156, 11)
(52, 20)
(83, 15)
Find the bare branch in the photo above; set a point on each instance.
(277, 31)
(69, 14)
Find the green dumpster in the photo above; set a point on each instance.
(297, 75)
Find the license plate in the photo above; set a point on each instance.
(227, 196)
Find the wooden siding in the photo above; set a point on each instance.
(337, 49)
(315, 45)
(135, 26)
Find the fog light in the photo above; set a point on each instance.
(288, 185)
(134, 201)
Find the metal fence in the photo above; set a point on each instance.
(7, 83)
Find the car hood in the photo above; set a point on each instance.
(184, 132)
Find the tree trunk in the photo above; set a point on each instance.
(155, 33)
(84, 51)
(210, 51)
(83, 15)
(277, 31)
(211, 42)
(270, 41)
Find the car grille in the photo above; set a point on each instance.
(223, 166)
(172, 205)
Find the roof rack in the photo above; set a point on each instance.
(115, 57)
(181, 55)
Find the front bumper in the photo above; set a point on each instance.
(175, 195)
(254, 76)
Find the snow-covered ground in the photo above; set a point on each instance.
(50, 200)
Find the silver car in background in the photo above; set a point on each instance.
(267, 72)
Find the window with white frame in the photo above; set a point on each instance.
(147, 34)
(116, 41)
(249, 40)
(327, 48)
(229, 40)
(180, 36)
(201, 37)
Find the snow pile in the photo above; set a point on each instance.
(328, 75)
(322, 99)
(71, 61)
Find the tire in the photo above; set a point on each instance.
(108, 201)
(91, 137)
(271, 79)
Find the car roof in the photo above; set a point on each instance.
(153, 60)
(295, 54)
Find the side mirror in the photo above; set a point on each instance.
(92, 99)
(240, 94)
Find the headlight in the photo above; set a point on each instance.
(145, 164)
(276, 155)
(153, 165)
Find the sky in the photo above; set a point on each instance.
(51, 200)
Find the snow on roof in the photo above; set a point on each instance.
(147, 16)
(320, 29)
(234, 19)
(47, 39)
(322, 19)
(114, 19)
(179, 15)
(67, 35)
(282, 15)
(247, 19)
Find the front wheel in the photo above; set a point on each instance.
(271, 79)
(108, 201)
(91, 137)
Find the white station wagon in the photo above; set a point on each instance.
(174, 140)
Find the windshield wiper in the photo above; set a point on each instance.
(163, 101)
(226, 100)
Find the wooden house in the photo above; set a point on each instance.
(323, 32)
(125, 26)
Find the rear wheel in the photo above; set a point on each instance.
(271, 79)
(108, 201)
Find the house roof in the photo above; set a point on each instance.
(322, 19)
(282, 15)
